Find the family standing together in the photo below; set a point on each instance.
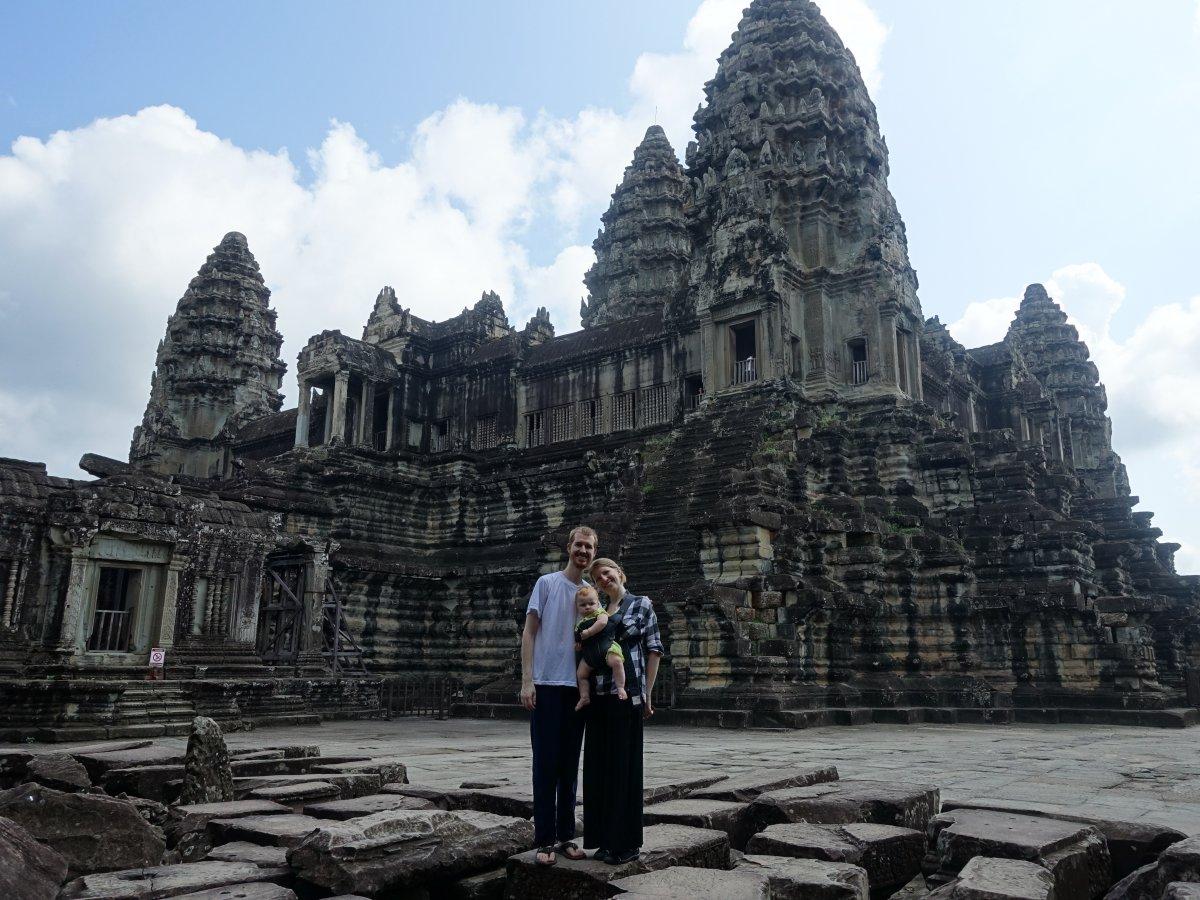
(589, 656)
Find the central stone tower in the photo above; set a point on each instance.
(801, 267)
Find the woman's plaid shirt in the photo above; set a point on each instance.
(637, 630)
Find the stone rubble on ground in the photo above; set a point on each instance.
(813, 838)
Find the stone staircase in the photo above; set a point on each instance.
(149, 708)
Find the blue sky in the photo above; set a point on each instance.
(451, 148)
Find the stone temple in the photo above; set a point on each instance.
(842, 514)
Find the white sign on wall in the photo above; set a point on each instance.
(158, 658)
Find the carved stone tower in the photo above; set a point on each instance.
(802, 265)
(643, 252)
(217, 368)
(1061, 363)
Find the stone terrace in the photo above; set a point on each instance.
(1133, 774)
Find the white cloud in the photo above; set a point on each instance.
(102, 227)
(1152, 378)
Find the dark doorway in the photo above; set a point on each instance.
(281, 610)
(744, 352)
(116, 599)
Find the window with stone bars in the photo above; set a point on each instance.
(535, 429)
(485, 433)
(589, 417)
(560, 424)
(624, 407)
(655, 405)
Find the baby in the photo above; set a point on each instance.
(596, 638)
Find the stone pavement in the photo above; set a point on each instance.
(1135, 774)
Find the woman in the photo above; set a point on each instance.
(612, 763)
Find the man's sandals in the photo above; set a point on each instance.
(571, 851)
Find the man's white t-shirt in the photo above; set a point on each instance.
(553, 599)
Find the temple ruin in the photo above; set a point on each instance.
(841, 514)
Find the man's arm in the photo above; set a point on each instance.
(532, 623)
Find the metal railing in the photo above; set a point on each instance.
(438, 442)
(110, 630)
(665, 686)
(858, 371)
(432, 696)
(744, 371)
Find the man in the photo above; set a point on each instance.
(549, 692)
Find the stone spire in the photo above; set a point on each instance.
(792, 209)
(217, 368)
(1059, 360)
(643, 251)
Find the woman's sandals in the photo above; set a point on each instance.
(571, 851)
(548, 853)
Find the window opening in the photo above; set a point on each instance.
(693, 391)
(439, 436)
(655, 409)
(535, 429)
(589, 417)
(485, 433)
(560, 424)
(624, 407)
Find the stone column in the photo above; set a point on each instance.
(336, 409)
(9, 607)
(366, 415)
(170, 603)
(889, 373)
(918, 389)
(70, 632)
(302, 414)
(390, 439)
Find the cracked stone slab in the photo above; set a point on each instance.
(1074, 854)
(286, 830)
(688, 883)
(663, 846)
(1131, 845)
(720, 815)
(154, 882)
(259, 890)
(744, 788)
(890, 855)
(389, 769)
(408, 848)
(354, 807)
(808, 879)
(986, 878)
(94, 833)
(28, 869)
(244, 851)
(844, 802)
(661, 789)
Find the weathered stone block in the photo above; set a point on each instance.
(1182, 890)
(244, 851)
(93, 833)
(101, 761)
(259, 890)
(354, 785)
(297, 796)
(986, 878)
(164, 881)
(365, 806)
(688, 883)
(744, 788)
(718, 815)
(401, 849)
(59, 771)
(207, 777)
(1179, 862)
(809, 879)
(154, 782)
(1131, 845)
(28, 870)
(484, 886)
(286, 830)
(660, 789)
(1075, 855)
(891, 856)
(844, 802)
(392, 771)
(663, 846)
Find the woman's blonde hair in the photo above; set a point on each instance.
(601, 563)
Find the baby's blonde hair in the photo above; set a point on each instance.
(587, 589)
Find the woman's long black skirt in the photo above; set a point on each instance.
(612, 775)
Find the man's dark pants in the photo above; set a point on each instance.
(556, 732)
